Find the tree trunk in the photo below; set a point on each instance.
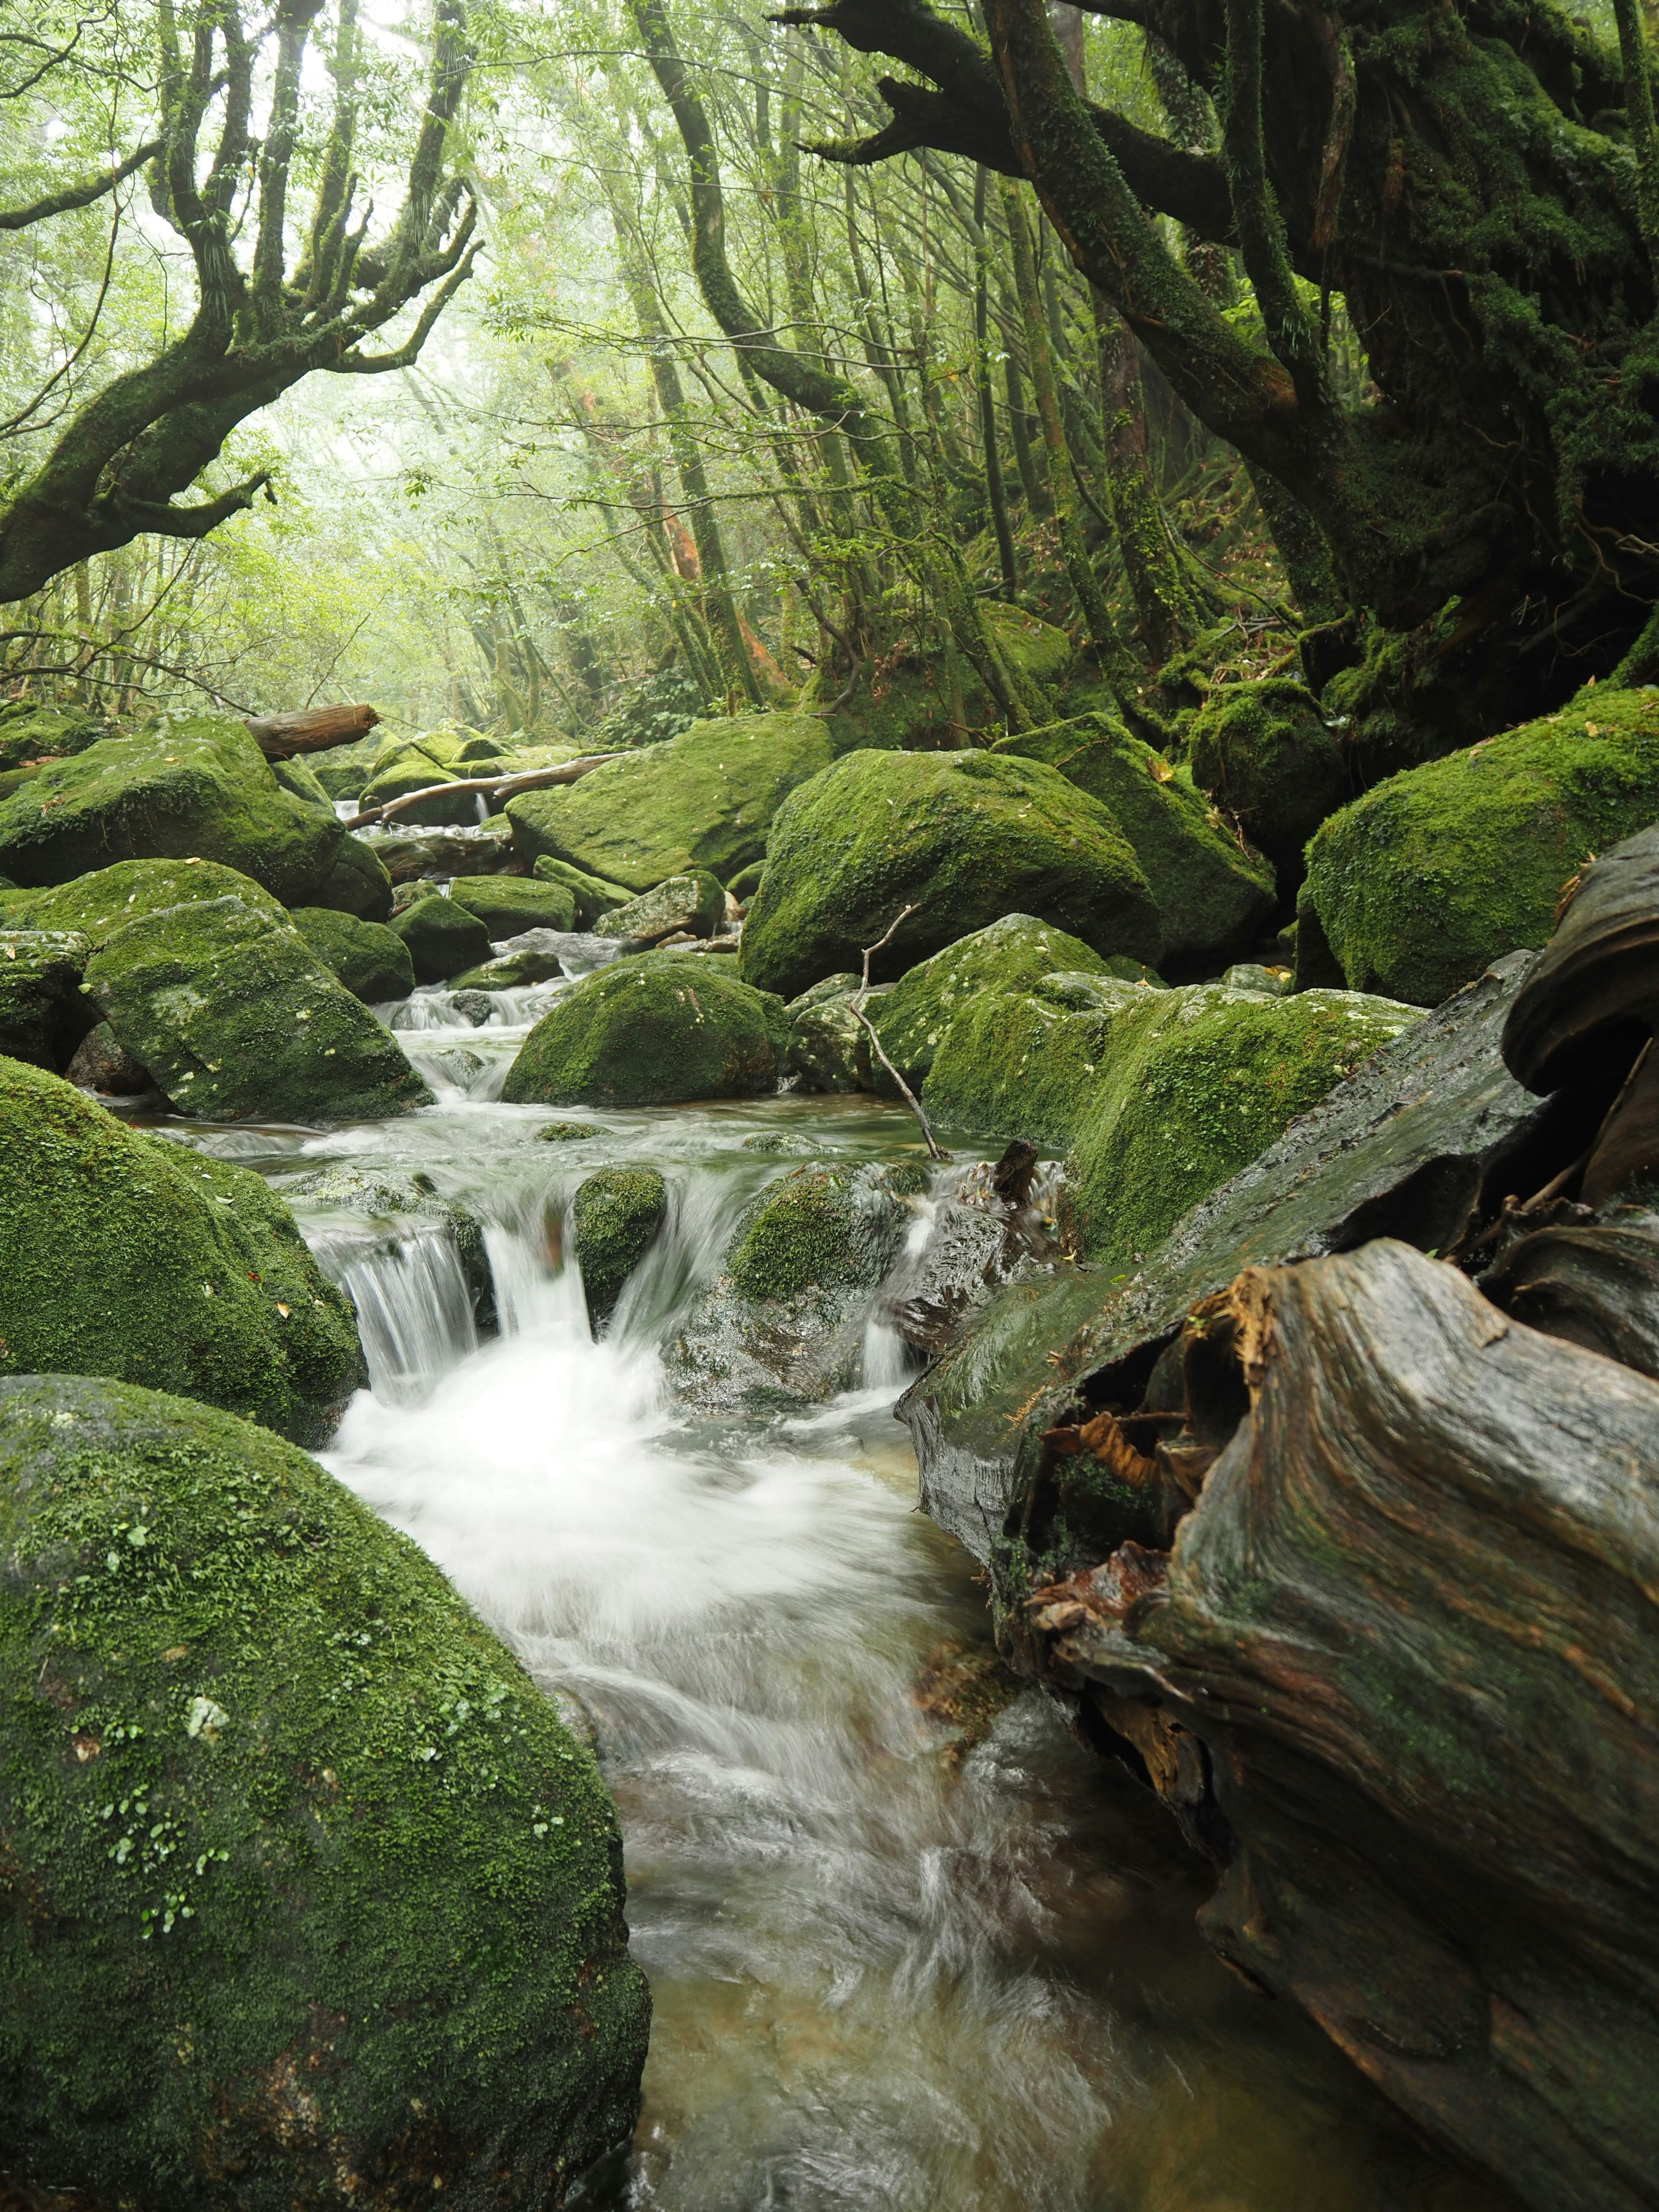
(310, 730)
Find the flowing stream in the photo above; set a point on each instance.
(910, 1945)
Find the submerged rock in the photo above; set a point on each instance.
(616, 1215)
(1431, 875)
(411, 1202)
(313, 1870)
(123, 1255)
(443, 937)
(962, 838)
(372, 961)
(653, 1030)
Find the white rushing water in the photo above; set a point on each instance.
(898, 1961)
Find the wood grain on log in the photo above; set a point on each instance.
(310, 730)
(489, 786)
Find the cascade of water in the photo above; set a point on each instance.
(414, 1310)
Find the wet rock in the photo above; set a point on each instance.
(614, 1220)
(1014, 953)
(277, 1798)
(101, 1063)
(411, 1200)
(829, 1047)
(779, 1141)
(536, 956)
(372, 961)
(1212, 892)
(187, 786)
(43, 1015)
(472, 1006)
(125, 1256)
(509, 905)
(443, 939)
(592, 896)
(961, 1693)
(1272, 983)
(694, 904)
(962, 838)
(567, 1133)
(410, 854)
(702, 801)
(458, 1065)
(650, 1031)
(1421, 883)
(1261, 751)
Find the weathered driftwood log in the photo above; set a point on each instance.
(490, 787)
(1413, 1622)
(310, 730)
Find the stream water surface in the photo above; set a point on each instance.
(910, 1945)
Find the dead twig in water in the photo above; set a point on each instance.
(494, 787)
(856, 1003)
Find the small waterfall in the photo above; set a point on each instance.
(414, 1311)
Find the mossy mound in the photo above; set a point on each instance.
(1420, 885)
(43, 1016)
(1158, 1095)
(236, 1018)
(30, 731)
(829, 1047)
(439, 759)
(122, 1254)
(704, 800)
(99, 905)
(186, 787)
(1264, 754)
(908, 706)
(592, 896)
(372, 961)
(1012, 955)
(655, 1030)
(443, 937)
(962, 838)
(695, 903)
(1212, 893)
(311, 1897)
(616, 1215)
(509, 905)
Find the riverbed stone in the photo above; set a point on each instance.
(372, 961)
(1422, 883)
(694, 904)
(443, 937)
(1013, 954)
(960, 838)
(43, 1015)
(614, 1218)
(592, 895)
(297, 1834)
(655, 1030)
(186, 787)
(829, 1047)
(704, 800)
(125, 1256)
(100, 1062)
(509, 905)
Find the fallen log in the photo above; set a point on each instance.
(489, 786)
(310, 730)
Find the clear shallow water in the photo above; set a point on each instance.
(897, 1962)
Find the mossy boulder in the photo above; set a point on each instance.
(509, 905)
(615, 1216)
(1263, 754)
(236, 1018)
(443, 937)
(311, 1896)
(653, 1030)
(694, 903)
(186, 787)
(413, 856)
(1012, 955)
(961, 838)
(30, 732)
(1420, 885)
(125, 1256)
(1212, 893)
(829, 1047)
(43, 1014)
(1159, 1096)
(593, 896)
(536, 957)
(704, 800)
(403, 766)
(372, 961)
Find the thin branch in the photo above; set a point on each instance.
(855, 1005)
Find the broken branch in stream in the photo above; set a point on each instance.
(856, 1005)
(490, 787)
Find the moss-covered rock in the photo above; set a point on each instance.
(311, 1897)
(702, 801)
(654, 1030)
(372, 961)
(829, 1047)
(100, 1062)
(593, 896)
(1212, 893)
(695, 903)
(30, 732)
(443, 937)
(616, 1215)
(399, 769)
(962, 838)
(1157, 1096)
(1263, 753)
(99, 905)
(186, 787)
(344, 770)
(43, 1015)
(408, 1202)
(509, 905)
(537, 957)
(567, 1133)
(125, 1256)
(1012, 955)
(236, 1018)
(1420, 885)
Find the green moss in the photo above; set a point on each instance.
(1263, 754)
(186, 787)
(702, 800)
(695, 901)
(443, 937)
(30, 731)
(616, 1215)
(42, 1017)
(1211, 892)
(125, 1256)
(1425, 881)
(1012, 955)
(653, 1030)
(800, 1231)
(312, 1899)
(510, 905)
(98, 905)
(235, 1018)
(372, 961)
(963, 839)
(567, 1133)
(592, 896)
